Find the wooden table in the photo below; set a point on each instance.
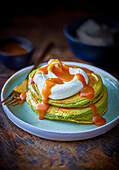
(21, 150)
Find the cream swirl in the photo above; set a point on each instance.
(65, 89)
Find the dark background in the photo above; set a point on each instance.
(36, 20)
(9, 9)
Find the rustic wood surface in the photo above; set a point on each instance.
(21, 150)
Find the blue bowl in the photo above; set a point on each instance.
(92, 53)
(16, 61)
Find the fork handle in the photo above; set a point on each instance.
(41, 57)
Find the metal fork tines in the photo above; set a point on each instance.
(13, 99)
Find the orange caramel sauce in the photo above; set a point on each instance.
(23, 96)
(97, 119)
(56, 80)
(42, 108)
(46, 91)
(87, 92)
(30, 81)
(13, 48)
(49, 83)
(63, 74)
(81, 78)
(43, 69)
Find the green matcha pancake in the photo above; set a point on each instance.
(85, 106)
(78, 115)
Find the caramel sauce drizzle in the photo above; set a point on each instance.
(23, 96)
(88, 92)
(97, 119)
(62, 72)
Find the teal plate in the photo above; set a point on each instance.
(25, 118)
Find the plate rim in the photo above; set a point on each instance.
(99, 130)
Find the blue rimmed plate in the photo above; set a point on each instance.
(25, 118)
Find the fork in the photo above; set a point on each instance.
(14, 98)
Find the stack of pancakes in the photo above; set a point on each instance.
(74, 108)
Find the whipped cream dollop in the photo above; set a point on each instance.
(65, 89)
(90, 32)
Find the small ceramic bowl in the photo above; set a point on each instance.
(15, 52)
(92, 53)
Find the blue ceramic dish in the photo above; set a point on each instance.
(92, 53)
(16, 61)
